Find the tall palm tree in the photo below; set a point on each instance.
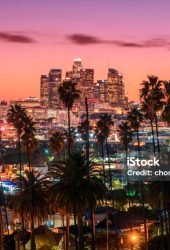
(68, 94)
(15, 115)
(57, 143)
(103, 129)
(147, 110)
(101, 139)
(77, 177)
(69, 139)
(152, 92)
(31, 200)
(166, 110)
(84, 128)
(103, 126)
(29, 142)
(135, 119)
(125, 135)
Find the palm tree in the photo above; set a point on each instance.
(57, 143)
(103, 126)
(166, 110)
(152, 92)
(135, 119)
(125, 135)
(78, 188)
(147, 110)
(101, 139)
(31, 200)
(84, 128)
(68, 94)
(70, 139)
(15, 115)
(29, 142)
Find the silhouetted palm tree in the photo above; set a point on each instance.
(125, 135)
(78, 188)
(147, 110)
(103, 126)
(57, 143)
(69, 139)
(68, 94)
(153, 92)
(135, 119)
(166, 110)
(31, 200)
(15, 116)
(29, 141)
(84, 129)
(103, 129)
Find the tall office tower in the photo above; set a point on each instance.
(115, 88)
(49, 96)
(77, 68)
(55, 78)
(102, 84)
(44, 82)
(87, 82)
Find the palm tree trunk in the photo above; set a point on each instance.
(128, 187)
(75, 225)
(107, 228)
(108, 157)
(157, 133)
(67, 232)
(33, 245)
(93, 229)
(153, 136)
(107, 224)
(104, 173)
(20, 173)
(64, 239)
(28, 156)
(69, 134)
(19, 155)
(143, 198)
(87, 131)
(80, 231)
(1, 231)
(162, 186)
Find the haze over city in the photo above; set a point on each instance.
(126, 35)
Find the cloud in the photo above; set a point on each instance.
(15, 38)
(84, 39)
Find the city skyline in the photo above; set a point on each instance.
(130, 37)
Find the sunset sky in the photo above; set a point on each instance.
(131, 36)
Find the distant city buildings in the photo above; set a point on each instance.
(115, 88)
(110, 91)
(104, 96)
(49, 84)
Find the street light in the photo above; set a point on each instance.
(133, 239)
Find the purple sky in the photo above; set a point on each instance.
(37, 35)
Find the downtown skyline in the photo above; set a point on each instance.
(131, 37)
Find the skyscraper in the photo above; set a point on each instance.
(115, 88)
(49, 96)
(77, 68)
(87, 82)
(55, 78)
(44, 85)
